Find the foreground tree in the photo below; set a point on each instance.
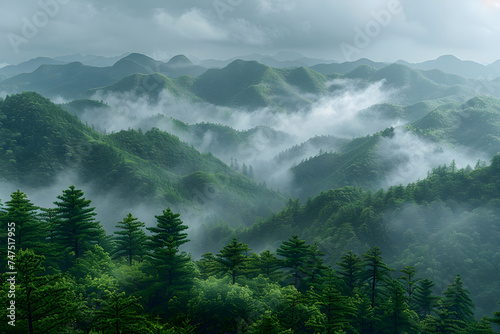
(375, 273)
(130, 239)
(21, 214)
(351, 266)
(423, 298)
(76, 230)
(44, 303)
(169, 229)
(295, 253)
(457, 301)
(174, 269)
(234, 259)
(120, 314)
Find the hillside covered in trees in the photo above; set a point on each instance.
(72, 277)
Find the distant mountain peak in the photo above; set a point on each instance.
(137, 56)
(179, 60)
(448, 58)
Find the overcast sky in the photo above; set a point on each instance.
(383, 30)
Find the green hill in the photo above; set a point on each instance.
(443, 225)
(414, 86)
(247, 84)
(40, 141)
(346, 67)
(75, 79)
(355, 164)
(474, 124)
(251, 84)
(150, 85)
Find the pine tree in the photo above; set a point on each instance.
(120, 314)
(233, 259)
(374, 273)
(29, 231)
(48, 216)
(424, 300)
(169, 228)
(444, 323)
(336, 308)
(396, 316)
(350, 271)
(410, 281)
(44, 303)
(315, 270)
(174, 269)
(268, 323)
(457, 301)
(296, 253)
(268, 265)
(76, 229)
(130, 241)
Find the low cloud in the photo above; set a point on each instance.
(409, 157)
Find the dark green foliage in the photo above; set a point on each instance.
(396, 316)
(375, 273)
(169, 229)
(234, 259)
(457, 301)
(409, 283)
(76, 229)
(130, 239)
(424, 300)
(44, 303)
(350, 272)
(496, 319)
(266, 264)
(40, 140)
(336, 310)
(444, 322)
(174, 269)
(30, 232)
(296, 253)
(120, 314)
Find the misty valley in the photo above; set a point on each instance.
(253, 195)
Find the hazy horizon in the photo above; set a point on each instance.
(381, 30)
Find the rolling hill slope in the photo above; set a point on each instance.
(73, 80)
(40, 141)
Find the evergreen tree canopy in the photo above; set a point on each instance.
(457, 301)
(76, 228)
(350, 271)
(296, 253)
(29, 231)
(424, 300)
(233, 259)
(169, 229)
(375, 272)
(130, 239)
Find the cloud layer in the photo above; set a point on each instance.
(417, 31)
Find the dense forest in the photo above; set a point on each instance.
(174, 223)
(72, 277)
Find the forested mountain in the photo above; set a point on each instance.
(472, 126)
(265, 195)
(69, 273)
(443, 225)
(73, 80)
(41, 141)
